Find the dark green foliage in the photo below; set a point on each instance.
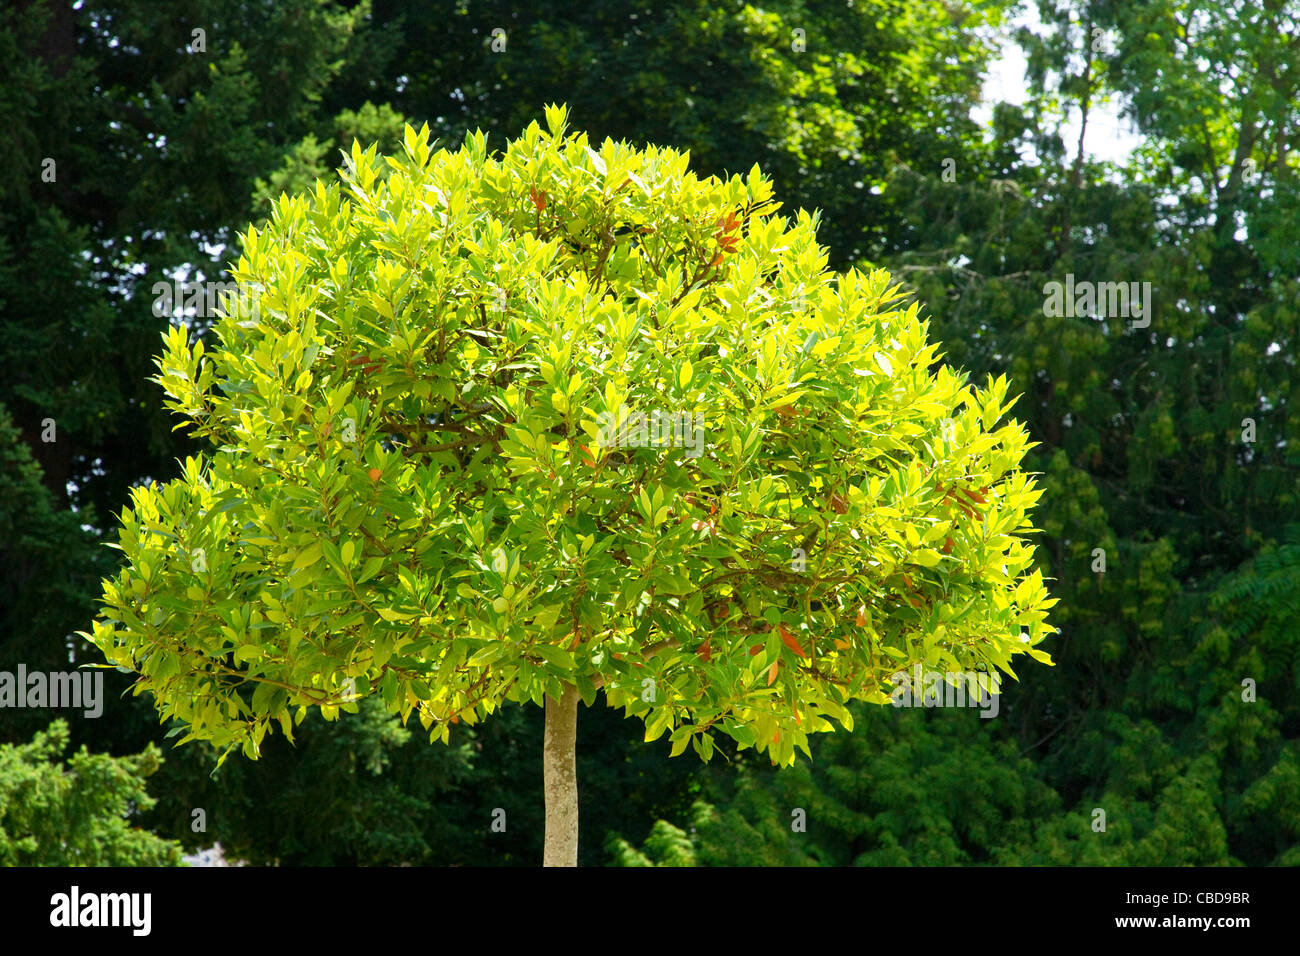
(82, 813)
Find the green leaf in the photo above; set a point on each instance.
(308, 555)
(681, 739)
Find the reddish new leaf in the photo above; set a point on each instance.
(791, 643)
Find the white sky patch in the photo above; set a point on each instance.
(1109, 137)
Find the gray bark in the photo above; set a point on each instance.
(560, 779)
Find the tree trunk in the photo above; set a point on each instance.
(560, 779)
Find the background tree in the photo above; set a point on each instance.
(82, 813)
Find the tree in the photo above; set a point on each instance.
(727, 81)
(79, 815)
(558, 421)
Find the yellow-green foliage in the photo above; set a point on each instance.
(416, 488)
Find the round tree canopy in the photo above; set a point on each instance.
(486, 425)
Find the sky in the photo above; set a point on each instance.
(1109, 138)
